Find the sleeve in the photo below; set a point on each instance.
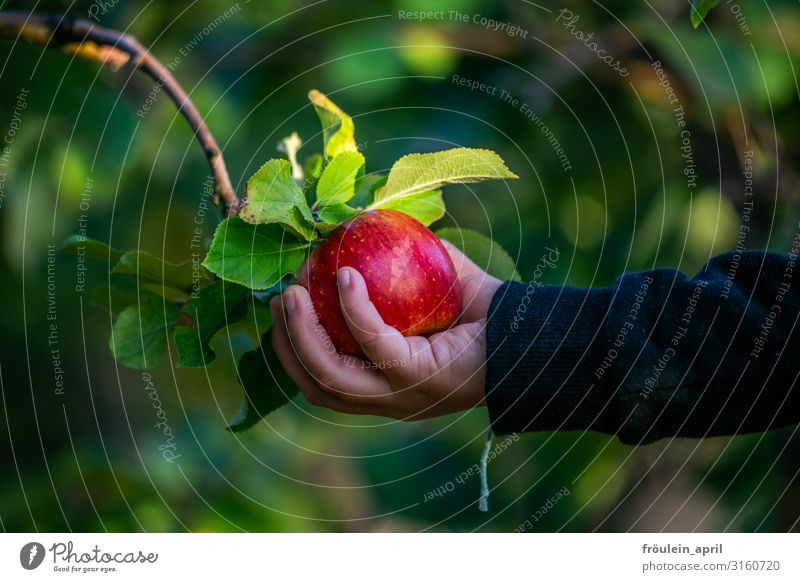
(657, 355)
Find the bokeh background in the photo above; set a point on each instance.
(89, 459)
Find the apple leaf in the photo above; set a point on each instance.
(146, 267)
(113, 299)
(338, 181)
(333, 216)
(312, 168)
(266, 386)
(272, 196)
(338, 130)
(140, 333)
(79, 245)
(483, 251)
(207, 311)
(254, 255)
(700, 9)
(366, 189)
(417, 173)
(427, 207)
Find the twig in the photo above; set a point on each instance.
(115, 49)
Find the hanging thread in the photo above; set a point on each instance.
(483, 502)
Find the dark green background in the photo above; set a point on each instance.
(89, 460)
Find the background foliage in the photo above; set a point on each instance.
(92, 459)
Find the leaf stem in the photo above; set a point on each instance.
(115, 49)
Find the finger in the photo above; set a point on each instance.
(346, 377)
(382, 343)
(300, 376)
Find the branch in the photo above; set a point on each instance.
(115, 49)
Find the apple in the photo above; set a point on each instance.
(409, 274)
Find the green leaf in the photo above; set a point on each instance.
(79, 245)
(366, 189)
(427, 207)
(483, 251)
(256, 256)
(266, 386)
(338, 130)
(332, 216)
(114, 299)
(272, 196)
(417, 173)
(146, 267)
(312, 168)
(207, 311)
(337, 184)
(700, 9)
(140, 333)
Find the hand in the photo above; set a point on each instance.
(408, 378)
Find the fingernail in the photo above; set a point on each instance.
(344, 277)
(289, 302)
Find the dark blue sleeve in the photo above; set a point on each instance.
(657, 355)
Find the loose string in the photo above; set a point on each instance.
(483, 502)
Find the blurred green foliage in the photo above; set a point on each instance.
(90, 460)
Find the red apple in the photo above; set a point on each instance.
(409, 274)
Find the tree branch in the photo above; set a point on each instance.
(115, 49)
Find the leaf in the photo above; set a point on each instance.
(427, 207)
(79, 245)
(338, 130)
(700, 9)
(113, 299)
(289, 145)
(333, 216)
(366, 189)
(266, 386)
(140, 333)
(207, 311)
(337, 184)
(482, 251)
(416, 173)
(147, 267)
(272, 196)
(312, 168)
(256, 256)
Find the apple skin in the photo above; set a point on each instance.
(409, 274)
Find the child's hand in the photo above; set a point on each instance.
(411, 377)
